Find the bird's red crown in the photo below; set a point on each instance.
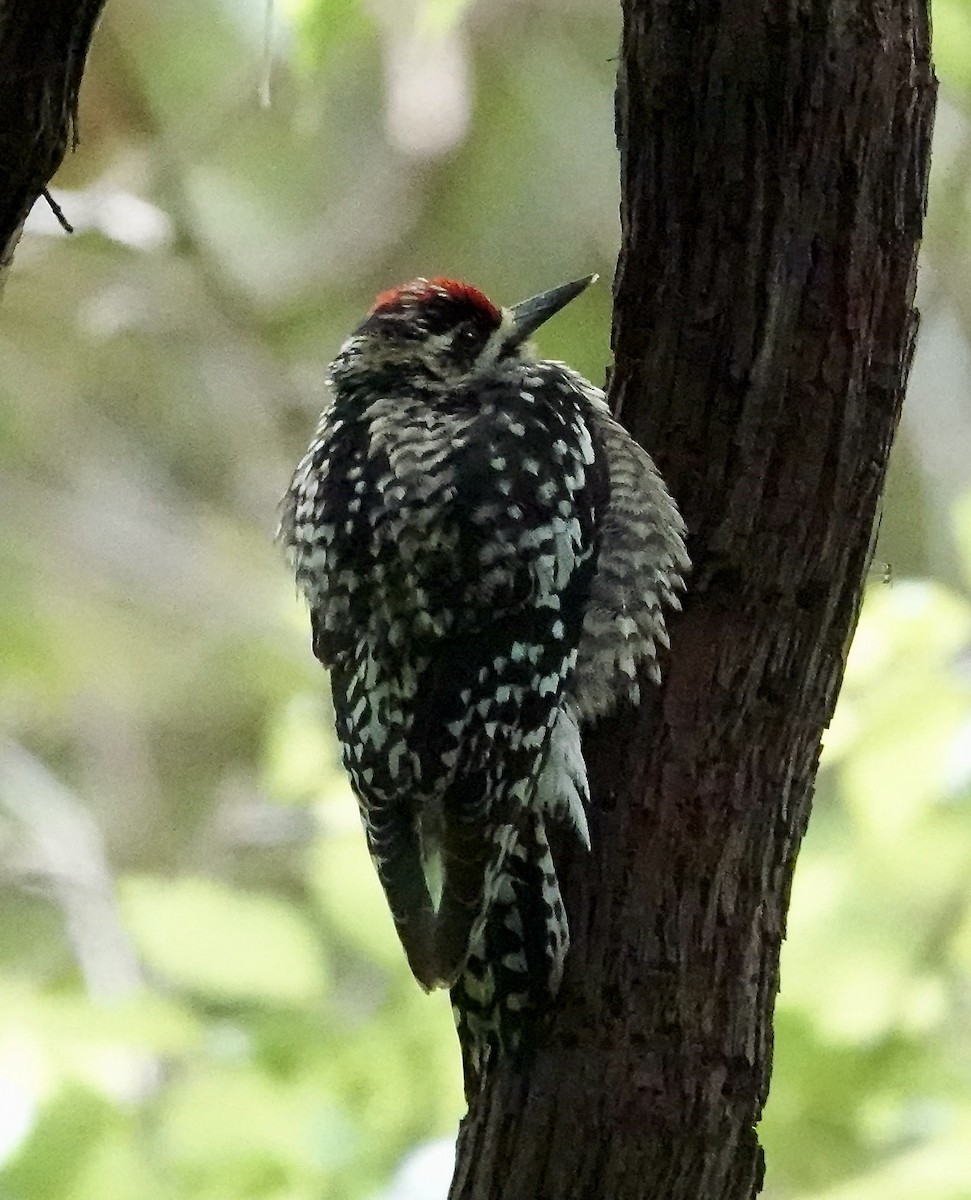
(420, 291)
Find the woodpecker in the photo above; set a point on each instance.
(487, 556)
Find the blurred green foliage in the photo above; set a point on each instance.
(201, 995)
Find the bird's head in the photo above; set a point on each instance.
(440, 333)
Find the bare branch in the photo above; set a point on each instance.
(43, 49)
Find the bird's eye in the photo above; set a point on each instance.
(467, 336)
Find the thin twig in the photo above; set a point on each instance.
(58, 212)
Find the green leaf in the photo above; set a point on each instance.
(67, 1131)
(325, 27)
(936, 1170)
(340, 873)
(952, 42)
(256, 1129)
(434, 16)
(301, 753)
(962, 509)
(223, 942)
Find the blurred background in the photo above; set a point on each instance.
(201, 995)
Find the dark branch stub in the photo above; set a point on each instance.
(58, 212)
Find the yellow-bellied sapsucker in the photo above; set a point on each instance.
(486, 554)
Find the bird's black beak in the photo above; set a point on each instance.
(528, 315)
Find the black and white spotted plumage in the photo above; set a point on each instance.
(486, 554)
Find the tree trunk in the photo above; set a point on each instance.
(774, 167)
(43, 49)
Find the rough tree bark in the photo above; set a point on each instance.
(774, 166)
(43, 49)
